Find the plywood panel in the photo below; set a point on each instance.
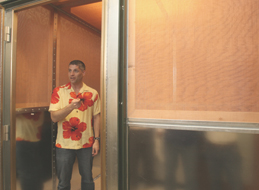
(198, 57)
(78, 42)
(34, 57)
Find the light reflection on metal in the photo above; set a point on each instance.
(109, 84)
(1, 98)
(164, 157)
(9, 77)
(195, 125)
(7, 34)
(6, 130)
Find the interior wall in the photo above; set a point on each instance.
(76, 42)
(34, 57)
(194, 60)
(90, 12)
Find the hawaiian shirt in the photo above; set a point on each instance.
(76, 130)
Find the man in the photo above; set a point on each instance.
(74, 106)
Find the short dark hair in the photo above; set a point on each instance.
(79, 63)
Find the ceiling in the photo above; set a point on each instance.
(90, 11)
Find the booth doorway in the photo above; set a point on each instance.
(47, 38)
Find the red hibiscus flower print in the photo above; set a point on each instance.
(86, 99)
(55, 96)
(90, 144)
(19, 139)
(58, 145)
(96, 98)
(33, 116)
(68, 85)
(73, 129)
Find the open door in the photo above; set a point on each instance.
(43, 40)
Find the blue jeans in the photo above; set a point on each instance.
(65, 159)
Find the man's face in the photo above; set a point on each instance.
(75, 74)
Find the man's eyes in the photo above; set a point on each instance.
(76, 71)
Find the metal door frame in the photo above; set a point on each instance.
(1, 99)
(109, 92)
(8, 104)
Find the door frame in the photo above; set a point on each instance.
(109, 92)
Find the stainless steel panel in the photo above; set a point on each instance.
(195, 125)
(1, 100)
(33, 123)
(9, 105)
(163, 159)
(33, 150)
(109, 83)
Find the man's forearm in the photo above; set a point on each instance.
(61, 114)
(97, 125)
(96, 146)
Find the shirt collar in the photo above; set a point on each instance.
(83, 89)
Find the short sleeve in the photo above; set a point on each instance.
(55, 103)
(97, 107)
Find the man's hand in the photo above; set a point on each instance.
(62, 113)
(76, 103)
(95, 148)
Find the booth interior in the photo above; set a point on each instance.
(48, 38)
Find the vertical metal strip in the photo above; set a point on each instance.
(13, 100)
(1, 98)
(55, 27)
(54, 128)
(122, 113)
(103, 141)
(109, 86)
(9, 78)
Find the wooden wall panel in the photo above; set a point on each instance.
(195, 60)
(91, 13)
(78, 42)
(34, 57)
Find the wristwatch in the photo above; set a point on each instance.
(97, 138)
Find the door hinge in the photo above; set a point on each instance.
(6, 136)
(7, 35)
